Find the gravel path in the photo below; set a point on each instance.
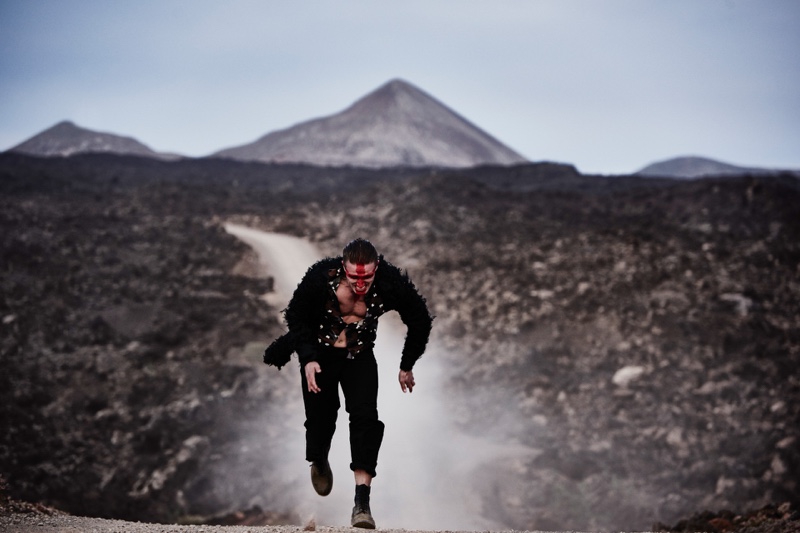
(59, 523)
(24, 523)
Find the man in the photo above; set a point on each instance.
(333, 320)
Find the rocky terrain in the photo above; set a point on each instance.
(23, 517)
(642, 334)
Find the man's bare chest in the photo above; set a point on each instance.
(351, 307)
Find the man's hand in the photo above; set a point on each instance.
(312, 369)
(406, 380)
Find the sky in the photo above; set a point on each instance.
(609, 86)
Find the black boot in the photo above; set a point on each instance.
(321, 477)
(362, 516)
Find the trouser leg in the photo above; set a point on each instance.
(360, 387)
(321, 409)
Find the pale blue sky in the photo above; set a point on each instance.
(607, 85)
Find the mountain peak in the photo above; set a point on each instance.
(397, 124)
(64, 125)
(397, 84)
(66, 138)
(393, 89)
(396, 96)
(397, 88)
(694, 167)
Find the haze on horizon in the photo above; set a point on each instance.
(607, 86)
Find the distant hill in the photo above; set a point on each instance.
(395, 125)
(696, 167)
(66, 139)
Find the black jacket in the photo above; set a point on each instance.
(305, 313)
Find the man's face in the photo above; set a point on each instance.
(360, 276)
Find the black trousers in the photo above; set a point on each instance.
(358, 378)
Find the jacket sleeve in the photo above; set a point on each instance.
(413, 311)
(280, 351)
(303, 313)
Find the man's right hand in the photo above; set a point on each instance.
(312, 369)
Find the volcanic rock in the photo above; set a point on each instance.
(131, 384)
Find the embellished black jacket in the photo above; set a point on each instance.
(314, 320)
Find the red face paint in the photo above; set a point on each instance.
(360, 276)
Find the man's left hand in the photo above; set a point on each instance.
(406, 380)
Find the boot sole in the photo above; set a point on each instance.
(363, 523)
(323, 484)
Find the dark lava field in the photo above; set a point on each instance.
(642, 334)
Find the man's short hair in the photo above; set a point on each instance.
(360, 252)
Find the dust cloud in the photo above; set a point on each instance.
(428, 471)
